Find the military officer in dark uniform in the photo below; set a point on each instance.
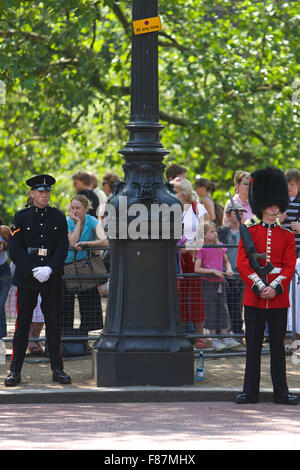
(38, 246)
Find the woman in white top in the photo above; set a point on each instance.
(193, 214)
(189, 289)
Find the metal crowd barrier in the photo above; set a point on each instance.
(82, 316)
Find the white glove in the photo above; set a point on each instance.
(42, 273)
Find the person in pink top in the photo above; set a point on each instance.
(213, 260)
(241, 184)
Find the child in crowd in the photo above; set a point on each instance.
(229, 234)
(212, 261)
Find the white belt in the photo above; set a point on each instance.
(275, 271)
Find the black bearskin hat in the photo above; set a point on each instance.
(268, 187)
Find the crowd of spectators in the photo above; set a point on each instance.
(218, 307)
(212, 301)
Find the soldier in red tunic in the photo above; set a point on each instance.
(266, 297)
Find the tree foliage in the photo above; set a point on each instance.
(227, 71)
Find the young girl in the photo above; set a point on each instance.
(212, 261)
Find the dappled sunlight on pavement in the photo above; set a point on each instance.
(137, 426)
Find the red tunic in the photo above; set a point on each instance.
(279, 245)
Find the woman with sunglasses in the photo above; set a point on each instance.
(241, 184)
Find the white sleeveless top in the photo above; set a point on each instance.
(191, 221)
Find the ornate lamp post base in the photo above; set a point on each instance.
(119, 369)
(143, 342)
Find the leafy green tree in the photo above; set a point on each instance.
(227, 71)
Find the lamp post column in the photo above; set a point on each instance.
(143, 342)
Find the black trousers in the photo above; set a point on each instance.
(26, 303)
(255, 319)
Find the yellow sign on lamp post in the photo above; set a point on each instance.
(148, 25)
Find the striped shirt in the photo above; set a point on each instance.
(293, 215)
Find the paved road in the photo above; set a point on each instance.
(153, 426)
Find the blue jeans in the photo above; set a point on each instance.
(4, 290)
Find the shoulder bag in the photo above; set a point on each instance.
(90, 272)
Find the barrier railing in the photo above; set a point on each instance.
(83, 312)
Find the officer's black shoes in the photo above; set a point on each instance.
(242, 399)
(12, 380)
(286, 399)
(61, 377)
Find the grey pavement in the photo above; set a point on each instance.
(149, 426)
(41, 415)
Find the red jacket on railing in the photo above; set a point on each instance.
(279, 245)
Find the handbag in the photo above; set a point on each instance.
(92, 267)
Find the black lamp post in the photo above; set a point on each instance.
(143, 342)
